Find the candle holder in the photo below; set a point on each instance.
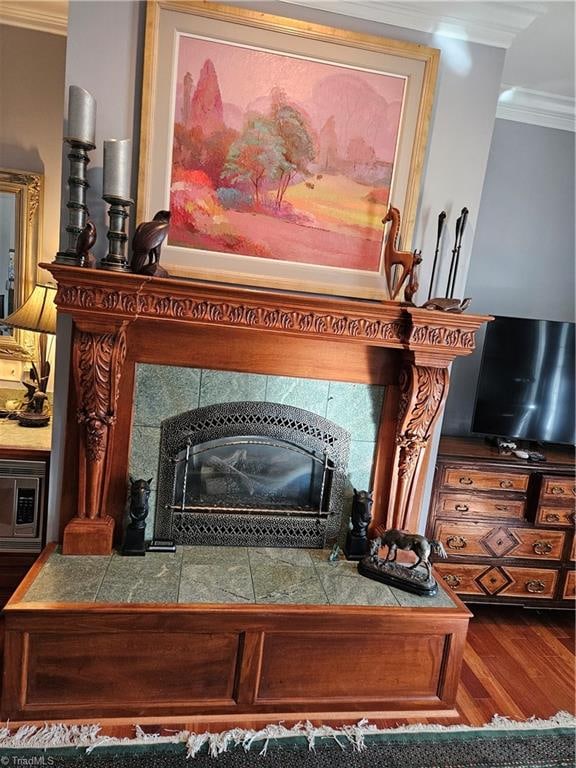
(77, 208)
(115, 260)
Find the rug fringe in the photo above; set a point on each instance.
(89, 737)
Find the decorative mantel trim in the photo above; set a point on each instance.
(388, 324)
(109, 308)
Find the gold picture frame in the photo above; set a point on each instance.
(199, 25)
(27, 190)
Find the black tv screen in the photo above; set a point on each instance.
(526, 382)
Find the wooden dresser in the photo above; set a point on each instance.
(507, 524)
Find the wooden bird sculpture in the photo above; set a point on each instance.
(413, 282)
(393, 257)
(85, 243)
(146, 244)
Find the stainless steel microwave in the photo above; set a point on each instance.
(22, 489)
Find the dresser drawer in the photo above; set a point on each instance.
(484, 480)
(464, 506)
(500, 580)
(569, 591)
(557, 489)
(499, 541)
(555, 517)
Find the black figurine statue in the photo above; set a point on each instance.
(356, 545)
(134, 544)
(146, 244)
(85, 243)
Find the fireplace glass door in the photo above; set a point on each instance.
(253, 473)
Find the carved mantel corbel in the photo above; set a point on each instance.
(423, 390)
(98, 354)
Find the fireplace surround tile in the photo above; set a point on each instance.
(151, 579)
(301, 393)
(340, 581)
(74, 579)
(285, 576)
(227, 387)
(216, 575)
(360, 462)
(356, 408)
(145, 452)
(162, 391)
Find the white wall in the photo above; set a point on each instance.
(104, 56)
(32, 87)
(523, 257)
(32, 68)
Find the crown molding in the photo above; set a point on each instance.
(489, 23)
(537, 108)
(46, 16)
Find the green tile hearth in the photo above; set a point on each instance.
(218, 575)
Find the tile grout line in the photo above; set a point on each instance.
(200, 387)
(103, 577)
(319, 580)
(180, 573)
(251, 575)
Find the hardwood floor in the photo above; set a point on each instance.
(517, 662)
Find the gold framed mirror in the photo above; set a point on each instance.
(20, 242)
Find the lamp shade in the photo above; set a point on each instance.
(38, 313)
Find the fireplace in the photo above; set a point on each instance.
(251, 474)
(122, 320)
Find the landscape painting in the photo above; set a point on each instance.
(281, 157)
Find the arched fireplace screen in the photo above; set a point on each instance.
(251, 474)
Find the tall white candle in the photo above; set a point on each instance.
(81, 115)
(117, 166)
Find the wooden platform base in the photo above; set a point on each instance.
(83, 536)
(229, 663)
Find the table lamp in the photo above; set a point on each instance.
(38, 314)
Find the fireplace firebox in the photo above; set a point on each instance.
(251, 474)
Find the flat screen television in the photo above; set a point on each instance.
(526, 381)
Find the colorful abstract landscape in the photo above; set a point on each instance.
(281, 157)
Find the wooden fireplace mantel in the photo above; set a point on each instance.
(122, 319)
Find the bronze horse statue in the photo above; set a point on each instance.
(413, 542)
(139, 496)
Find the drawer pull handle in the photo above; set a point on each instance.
(452, 580)
(557, 490)
(461, 507)
(502, 507)
(465, 481)
(535, 586)
(552, 517)
(456, 542)
(542, 547)
(506, 483)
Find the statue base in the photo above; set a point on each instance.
(154, 270)
(134, 544)
(356, 547)
(412, 580)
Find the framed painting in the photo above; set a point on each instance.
(278, 145)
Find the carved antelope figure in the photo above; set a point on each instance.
(392, 256)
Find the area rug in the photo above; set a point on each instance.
(503, 743)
